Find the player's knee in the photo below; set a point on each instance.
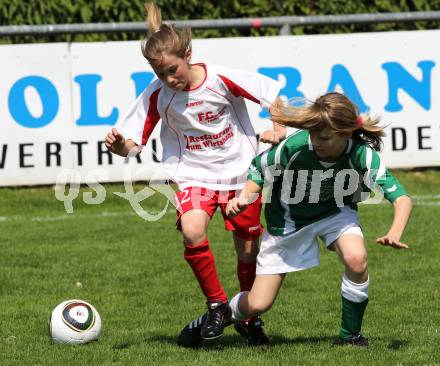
(357, 262)
(260, 305)
(194, 234)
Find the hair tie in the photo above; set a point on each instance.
(359, 122)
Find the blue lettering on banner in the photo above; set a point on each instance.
(341, 76)
(89, 102)
(399, 78)
(141, 81)
(49, 100)
(293, 80)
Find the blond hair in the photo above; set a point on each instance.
(162, 38)
(331, 110)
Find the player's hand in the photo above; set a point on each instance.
(271, 137)
(114, 140)
(392, 241)
(236, 206)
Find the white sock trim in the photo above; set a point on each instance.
(233, 304)
(354, 292)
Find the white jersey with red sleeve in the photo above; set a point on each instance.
(206, 134)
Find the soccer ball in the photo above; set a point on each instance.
(74, 322)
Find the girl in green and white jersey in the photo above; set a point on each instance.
(315, 178)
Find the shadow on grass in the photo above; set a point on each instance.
(302, 340)
(396, 344)
(123, 345)
(235, 341)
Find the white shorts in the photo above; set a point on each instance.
(299, 250)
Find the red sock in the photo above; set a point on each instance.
(246, 274)
(202, 262)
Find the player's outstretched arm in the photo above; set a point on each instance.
(248, 195)
(117, 144)
(402, 210)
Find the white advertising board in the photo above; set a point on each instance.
(57, 101)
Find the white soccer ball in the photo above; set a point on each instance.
(74, 322)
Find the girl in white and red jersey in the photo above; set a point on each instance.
(208, 143)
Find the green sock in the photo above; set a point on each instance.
(352, 314)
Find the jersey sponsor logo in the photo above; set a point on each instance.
(210, 117)
(209, 141)
(193, 104)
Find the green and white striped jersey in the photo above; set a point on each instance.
(303, 190)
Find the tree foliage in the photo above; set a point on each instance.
(32, 12)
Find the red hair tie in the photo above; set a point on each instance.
(359, 122)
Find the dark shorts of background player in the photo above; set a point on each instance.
(246, 225)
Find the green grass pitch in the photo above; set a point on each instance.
(134, 273)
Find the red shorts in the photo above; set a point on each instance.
(245, 225)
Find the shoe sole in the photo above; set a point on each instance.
(212, 338)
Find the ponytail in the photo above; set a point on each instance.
(370, 132)
(163, 38)
(154, 17)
